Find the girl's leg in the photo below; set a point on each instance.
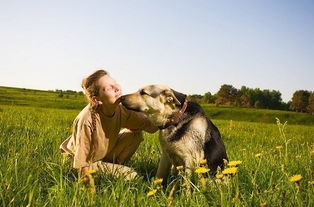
(126, 145)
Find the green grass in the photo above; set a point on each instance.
(33, 172)
(257, 115)
(38, 98)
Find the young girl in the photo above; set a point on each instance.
(97, 141)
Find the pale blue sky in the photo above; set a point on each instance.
(192, 46)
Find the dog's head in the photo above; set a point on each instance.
(158, 102)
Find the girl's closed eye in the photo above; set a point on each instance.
(110, 88)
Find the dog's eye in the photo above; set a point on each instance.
(169, 99)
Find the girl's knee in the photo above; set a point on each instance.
(131, 136)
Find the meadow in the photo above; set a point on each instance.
(34, 173)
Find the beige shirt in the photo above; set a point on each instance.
(104, 137)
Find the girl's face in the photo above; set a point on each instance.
(109, 90)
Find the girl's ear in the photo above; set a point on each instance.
(96, 101)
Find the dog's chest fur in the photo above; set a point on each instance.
(185, 141)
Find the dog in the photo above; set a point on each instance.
(186, 136)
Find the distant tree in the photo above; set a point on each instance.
(300, 101)
(195, 98)
(257, 96)
(310, 106)
(244, 101)
(270, 99)
(245, 95)
(249, 96)
(275, 100)
(208, 98)
(227, 95)
(265, 99)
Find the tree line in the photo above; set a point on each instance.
(67, 93)
(302, 100)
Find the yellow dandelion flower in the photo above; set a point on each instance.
(151, 193)
(219, 175)
(179, 167)
(234, 163)
(230, 170)
(89, 172)
(312, 152)
(279, 147)
(295, 178)
(264, 204)
(158, 181)
(201, 170)
(83, 180)
(258, 154)
(311, 182)
(203, 162)
(203, 182)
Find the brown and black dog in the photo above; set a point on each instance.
(186, 134)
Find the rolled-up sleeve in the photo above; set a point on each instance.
(137, 121)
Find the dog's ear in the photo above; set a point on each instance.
(170, 97)
(179, 96)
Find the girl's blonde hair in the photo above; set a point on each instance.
(91, 89)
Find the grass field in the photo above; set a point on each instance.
(33, 172)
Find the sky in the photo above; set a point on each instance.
(192, 46)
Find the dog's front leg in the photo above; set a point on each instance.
(163, 167)
(189, 166)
